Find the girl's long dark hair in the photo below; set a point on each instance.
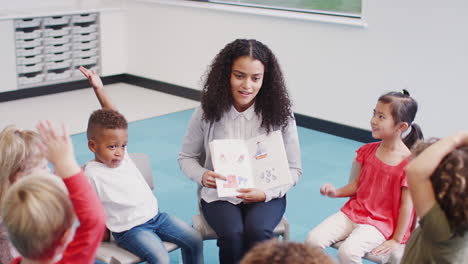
(272, 101)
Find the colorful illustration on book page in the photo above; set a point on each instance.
(222, 157)
(243, 182)
(231, 182)
(241, 159)
(269, 176)
(261, 151)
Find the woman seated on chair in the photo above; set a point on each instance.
(243, 96)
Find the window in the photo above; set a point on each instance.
(348, 8)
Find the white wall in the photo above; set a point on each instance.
(113, 42)
(7, 55)
(334, 72)
(28, 5)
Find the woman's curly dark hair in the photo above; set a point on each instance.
(272, 101)
(449, 181)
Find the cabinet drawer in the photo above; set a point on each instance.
(55, 65)
(85, 37)
(28, 22)
(85, 45)
(86, 60)
(56, 20)
(57, 75)
(29, 59)
(28, 43)
(55, 32)
(28, 34)
(85, 53)
(57, 40)
(29, 68)
(84, 18)
(30, 78)
(58, 48)
(85, 28)
(29, 51)
(59, 56)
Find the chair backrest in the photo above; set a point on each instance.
(143, 164)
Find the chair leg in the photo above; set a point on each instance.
(286, 232)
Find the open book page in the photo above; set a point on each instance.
(270, 163)
(231, 159)
(258, 162)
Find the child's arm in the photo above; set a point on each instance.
(404, 218)
(59, 151)
(421, 168)
(98, 87)
(347, 190)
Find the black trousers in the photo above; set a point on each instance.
(239, 227)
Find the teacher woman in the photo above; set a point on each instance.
(243, 96)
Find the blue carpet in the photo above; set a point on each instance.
(325, 158)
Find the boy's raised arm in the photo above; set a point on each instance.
(98, 87)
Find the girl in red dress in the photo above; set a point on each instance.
(379, 214)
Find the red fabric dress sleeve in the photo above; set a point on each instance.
(92, 219)
(362, 153)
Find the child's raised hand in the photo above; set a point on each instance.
(58, 149)
(93, 78)
(328, 190)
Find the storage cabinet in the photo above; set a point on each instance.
(50, 49)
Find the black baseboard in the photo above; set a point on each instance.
(321, 125)
(163, 87)
(333, 128)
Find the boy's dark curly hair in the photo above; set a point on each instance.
(105, 119)
(272, 101)
(449, 181)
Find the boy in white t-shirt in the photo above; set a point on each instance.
(132, 210)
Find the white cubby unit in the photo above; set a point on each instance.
(50, 49)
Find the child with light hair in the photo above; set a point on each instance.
(39, 214)
(19, 156)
